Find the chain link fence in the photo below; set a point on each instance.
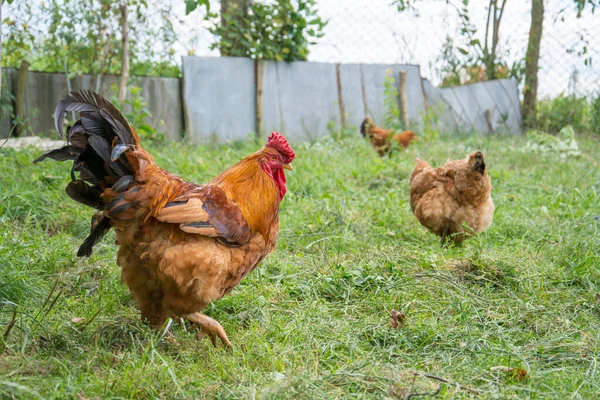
(373, 31)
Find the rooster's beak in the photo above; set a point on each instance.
(288, 167)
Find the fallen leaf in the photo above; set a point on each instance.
(77, 320)
(518, 374)
(396, 319)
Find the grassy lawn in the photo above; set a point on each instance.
(312, 320)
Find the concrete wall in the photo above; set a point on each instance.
(371, 77)
(300, 99)
(217, 99)
(463, 108)
(44, 90)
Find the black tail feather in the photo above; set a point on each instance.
(93, 163)
(83, 193)
(62, 154)
(86, 101)
(122, 184)
(96, 141)
(100, 225)
(365, 126)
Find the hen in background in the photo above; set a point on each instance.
(447, 198)
(382, 139)
(181, 245)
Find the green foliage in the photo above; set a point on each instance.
(341, 133)
(19, 34)
(136, 113)
(81, 36)
(282, 30)
(595, 114)
(582, 4)
(405, 5)
(431, 118)
(6, 100)
(564, 145)
(191, 5)
(553, 115)
(392, 116)
(312, 320)
(464, 64)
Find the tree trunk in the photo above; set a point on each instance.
(532, 59)
(338, 75)
(496, 14)
(226, 5)
(20, 111)
(125, 62)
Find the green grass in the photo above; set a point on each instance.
(312, 320)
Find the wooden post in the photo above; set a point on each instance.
(364, 91)
(489, 114)
(20, 111)
(338, 74)
(403, 99)
(259, 75)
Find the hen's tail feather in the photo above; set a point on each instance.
(96, 142)
(364, 127)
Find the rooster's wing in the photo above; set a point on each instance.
(207, 211)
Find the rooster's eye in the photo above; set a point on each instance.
(273, 158)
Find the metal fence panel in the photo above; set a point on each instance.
(219, 98)
(300, 99)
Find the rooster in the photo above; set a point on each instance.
(181, 245)
(382, 139)
(447, 198)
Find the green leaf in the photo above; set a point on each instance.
(191, 5)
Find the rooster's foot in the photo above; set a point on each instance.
(210, 327)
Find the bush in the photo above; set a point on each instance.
(281, 30)
(555, 114)
(595, 114)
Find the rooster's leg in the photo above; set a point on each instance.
(211, 327)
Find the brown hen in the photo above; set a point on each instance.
(382, 139)
(454, 199)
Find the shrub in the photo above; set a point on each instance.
(555, 114)
(595, 114)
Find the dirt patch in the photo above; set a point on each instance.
(40, 143)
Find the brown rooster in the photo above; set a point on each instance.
(458, 193)
(182, 245)
(382, 139)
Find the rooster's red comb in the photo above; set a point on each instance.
(280, 143)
